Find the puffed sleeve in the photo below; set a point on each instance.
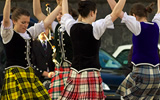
(132, 24)
(6, 32)
(67, 21)
(36, 29)
(156, 19)
(53, 25)
(100, 26)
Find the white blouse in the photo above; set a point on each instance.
(99, 26)
(7, 32)
(134, 25)
(53, 25)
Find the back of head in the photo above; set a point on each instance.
(17, 12)
(84, 7)
(140, 10)
(73, 12)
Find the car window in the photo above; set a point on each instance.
(107, 61)
(123, 57)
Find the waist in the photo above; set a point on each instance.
(145, 64)
(14, 66)
(87, 69)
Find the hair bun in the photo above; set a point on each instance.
(13, 9)
(82, 5)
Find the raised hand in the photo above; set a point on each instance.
(59, 2)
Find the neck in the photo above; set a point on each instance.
(87, 20)
(143, 19)
(16, 30)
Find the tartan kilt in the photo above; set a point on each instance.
(86, 85)
(20, 84)
(142, 83)
(59, 80)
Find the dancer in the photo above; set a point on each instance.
(20, 82)
(63, 50)
(143, 82)
(84, 81)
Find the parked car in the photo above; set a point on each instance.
(112, 73)
(121, 53)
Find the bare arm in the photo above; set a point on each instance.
(37, 10)
(6, 13)
(158, 4)
(64, 7)
(112, 4)
(117, 10)
(50, 18)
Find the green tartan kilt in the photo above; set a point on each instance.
(22, 84)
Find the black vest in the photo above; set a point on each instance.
(16, 51)
(63, 44)
(85, 47)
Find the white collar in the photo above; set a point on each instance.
(24, 35)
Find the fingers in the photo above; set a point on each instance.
(51, 74)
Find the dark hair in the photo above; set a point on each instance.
(17, 12)
(73, 12)
(140, 10)
(84, 7)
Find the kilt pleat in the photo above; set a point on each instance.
(83, 86)
(22, 84)
(143, 83)
(59, 80)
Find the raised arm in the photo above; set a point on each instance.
(158, 4)
(64, 7)
(50, 18)
(6, 13)
(112, 4)
(37, 10)
(117, 10)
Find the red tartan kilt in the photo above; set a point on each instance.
(58, 81)
(83, 86)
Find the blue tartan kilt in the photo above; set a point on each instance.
(22, 84)
(143, 83)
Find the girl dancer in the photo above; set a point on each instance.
(63, 47)
(84, 81)
(143, 82)
(20, 81)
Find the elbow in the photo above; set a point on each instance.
(6, 23)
